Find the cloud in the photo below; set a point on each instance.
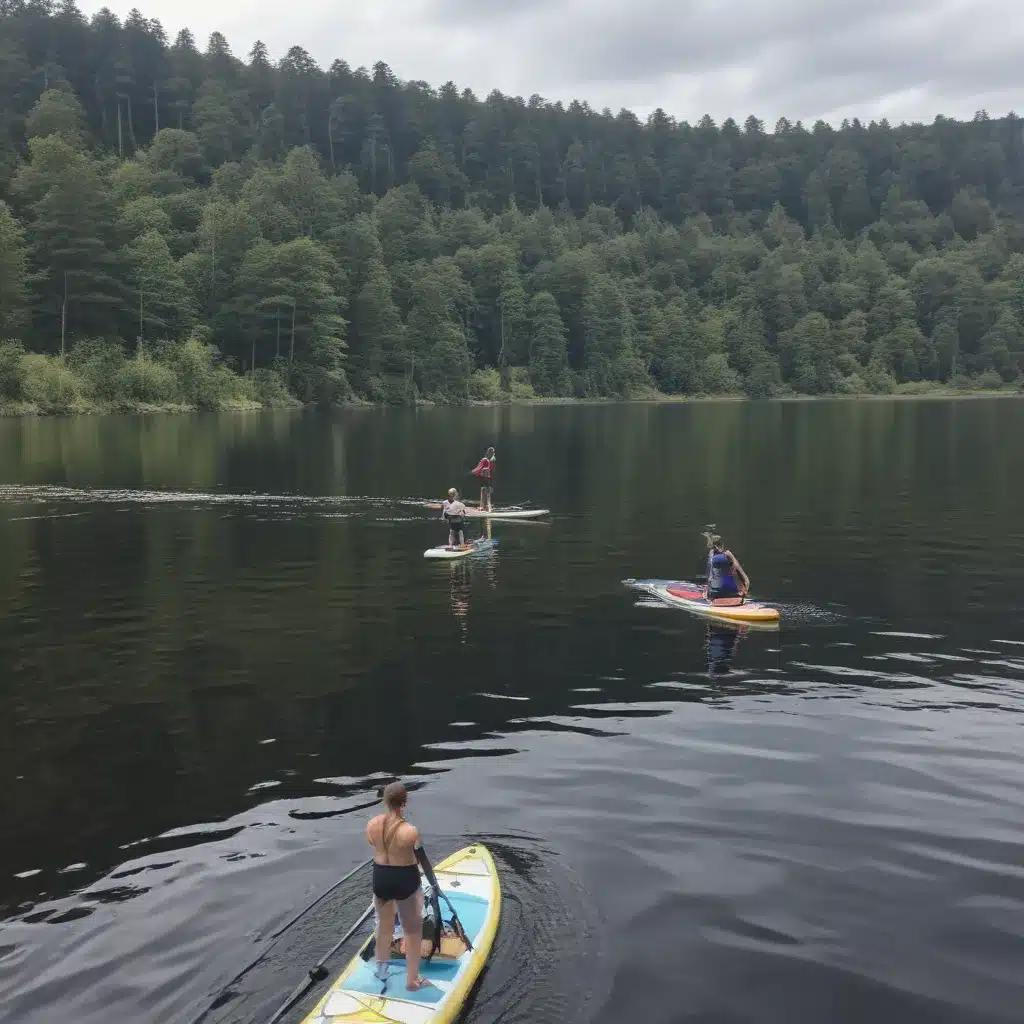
(802, 59)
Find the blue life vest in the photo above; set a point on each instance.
(720, 574)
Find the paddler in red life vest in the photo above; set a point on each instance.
(454, 513)
(485, 471)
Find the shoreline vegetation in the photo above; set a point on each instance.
(142, 385)
(184, 229)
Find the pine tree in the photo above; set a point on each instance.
(13, 273)
(165, 308)
(78, 280)
(549, 359)
(378, 334)
(608, 332)
(288, 294)
(57, 112)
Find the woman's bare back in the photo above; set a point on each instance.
(393, 840)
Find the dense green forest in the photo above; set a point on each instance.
(186, 227)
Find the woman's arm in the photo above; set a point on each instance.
(744, 578)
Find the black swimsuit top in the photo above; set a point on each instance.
(384, 835)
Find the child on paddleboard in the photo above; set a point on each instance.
(485, 471)
(454, 512)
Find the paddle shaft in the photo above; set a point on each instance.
(318, 971)
(321, 897)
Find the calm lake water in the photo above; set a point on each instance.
(219, 636)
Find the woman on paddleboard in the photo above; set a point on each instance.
(723, 570)
(396, 882)
(484, 469)
(454, 513)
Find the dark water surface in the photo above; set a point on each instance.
(218, 635)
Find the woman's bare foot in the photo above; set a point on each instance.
(414, 986)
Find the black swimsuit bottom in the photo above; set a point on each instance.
(395, 882)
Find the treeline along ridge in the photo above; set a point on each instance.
(184, 227)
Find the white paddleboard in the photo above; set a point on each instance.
(480, 545)
(507, 513)
(500, 513)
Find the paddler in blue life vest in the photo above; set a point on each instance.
(723, 570)
(484, 470)
(454, 513)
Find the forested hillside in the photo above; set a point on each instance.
(170, 215)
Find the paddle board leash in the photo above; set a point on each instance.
(318, 971)
(225, 993)
(457, 924)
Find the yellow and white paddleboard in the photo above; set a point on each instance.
(691, 597)
(470, 881)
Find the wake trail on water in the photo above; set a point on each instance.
(803, 614)
(332, 505)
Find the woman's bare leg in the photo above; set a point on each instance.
(385, 932)
(411, 913)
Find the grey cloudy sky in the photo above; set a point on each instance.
(802, 59)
